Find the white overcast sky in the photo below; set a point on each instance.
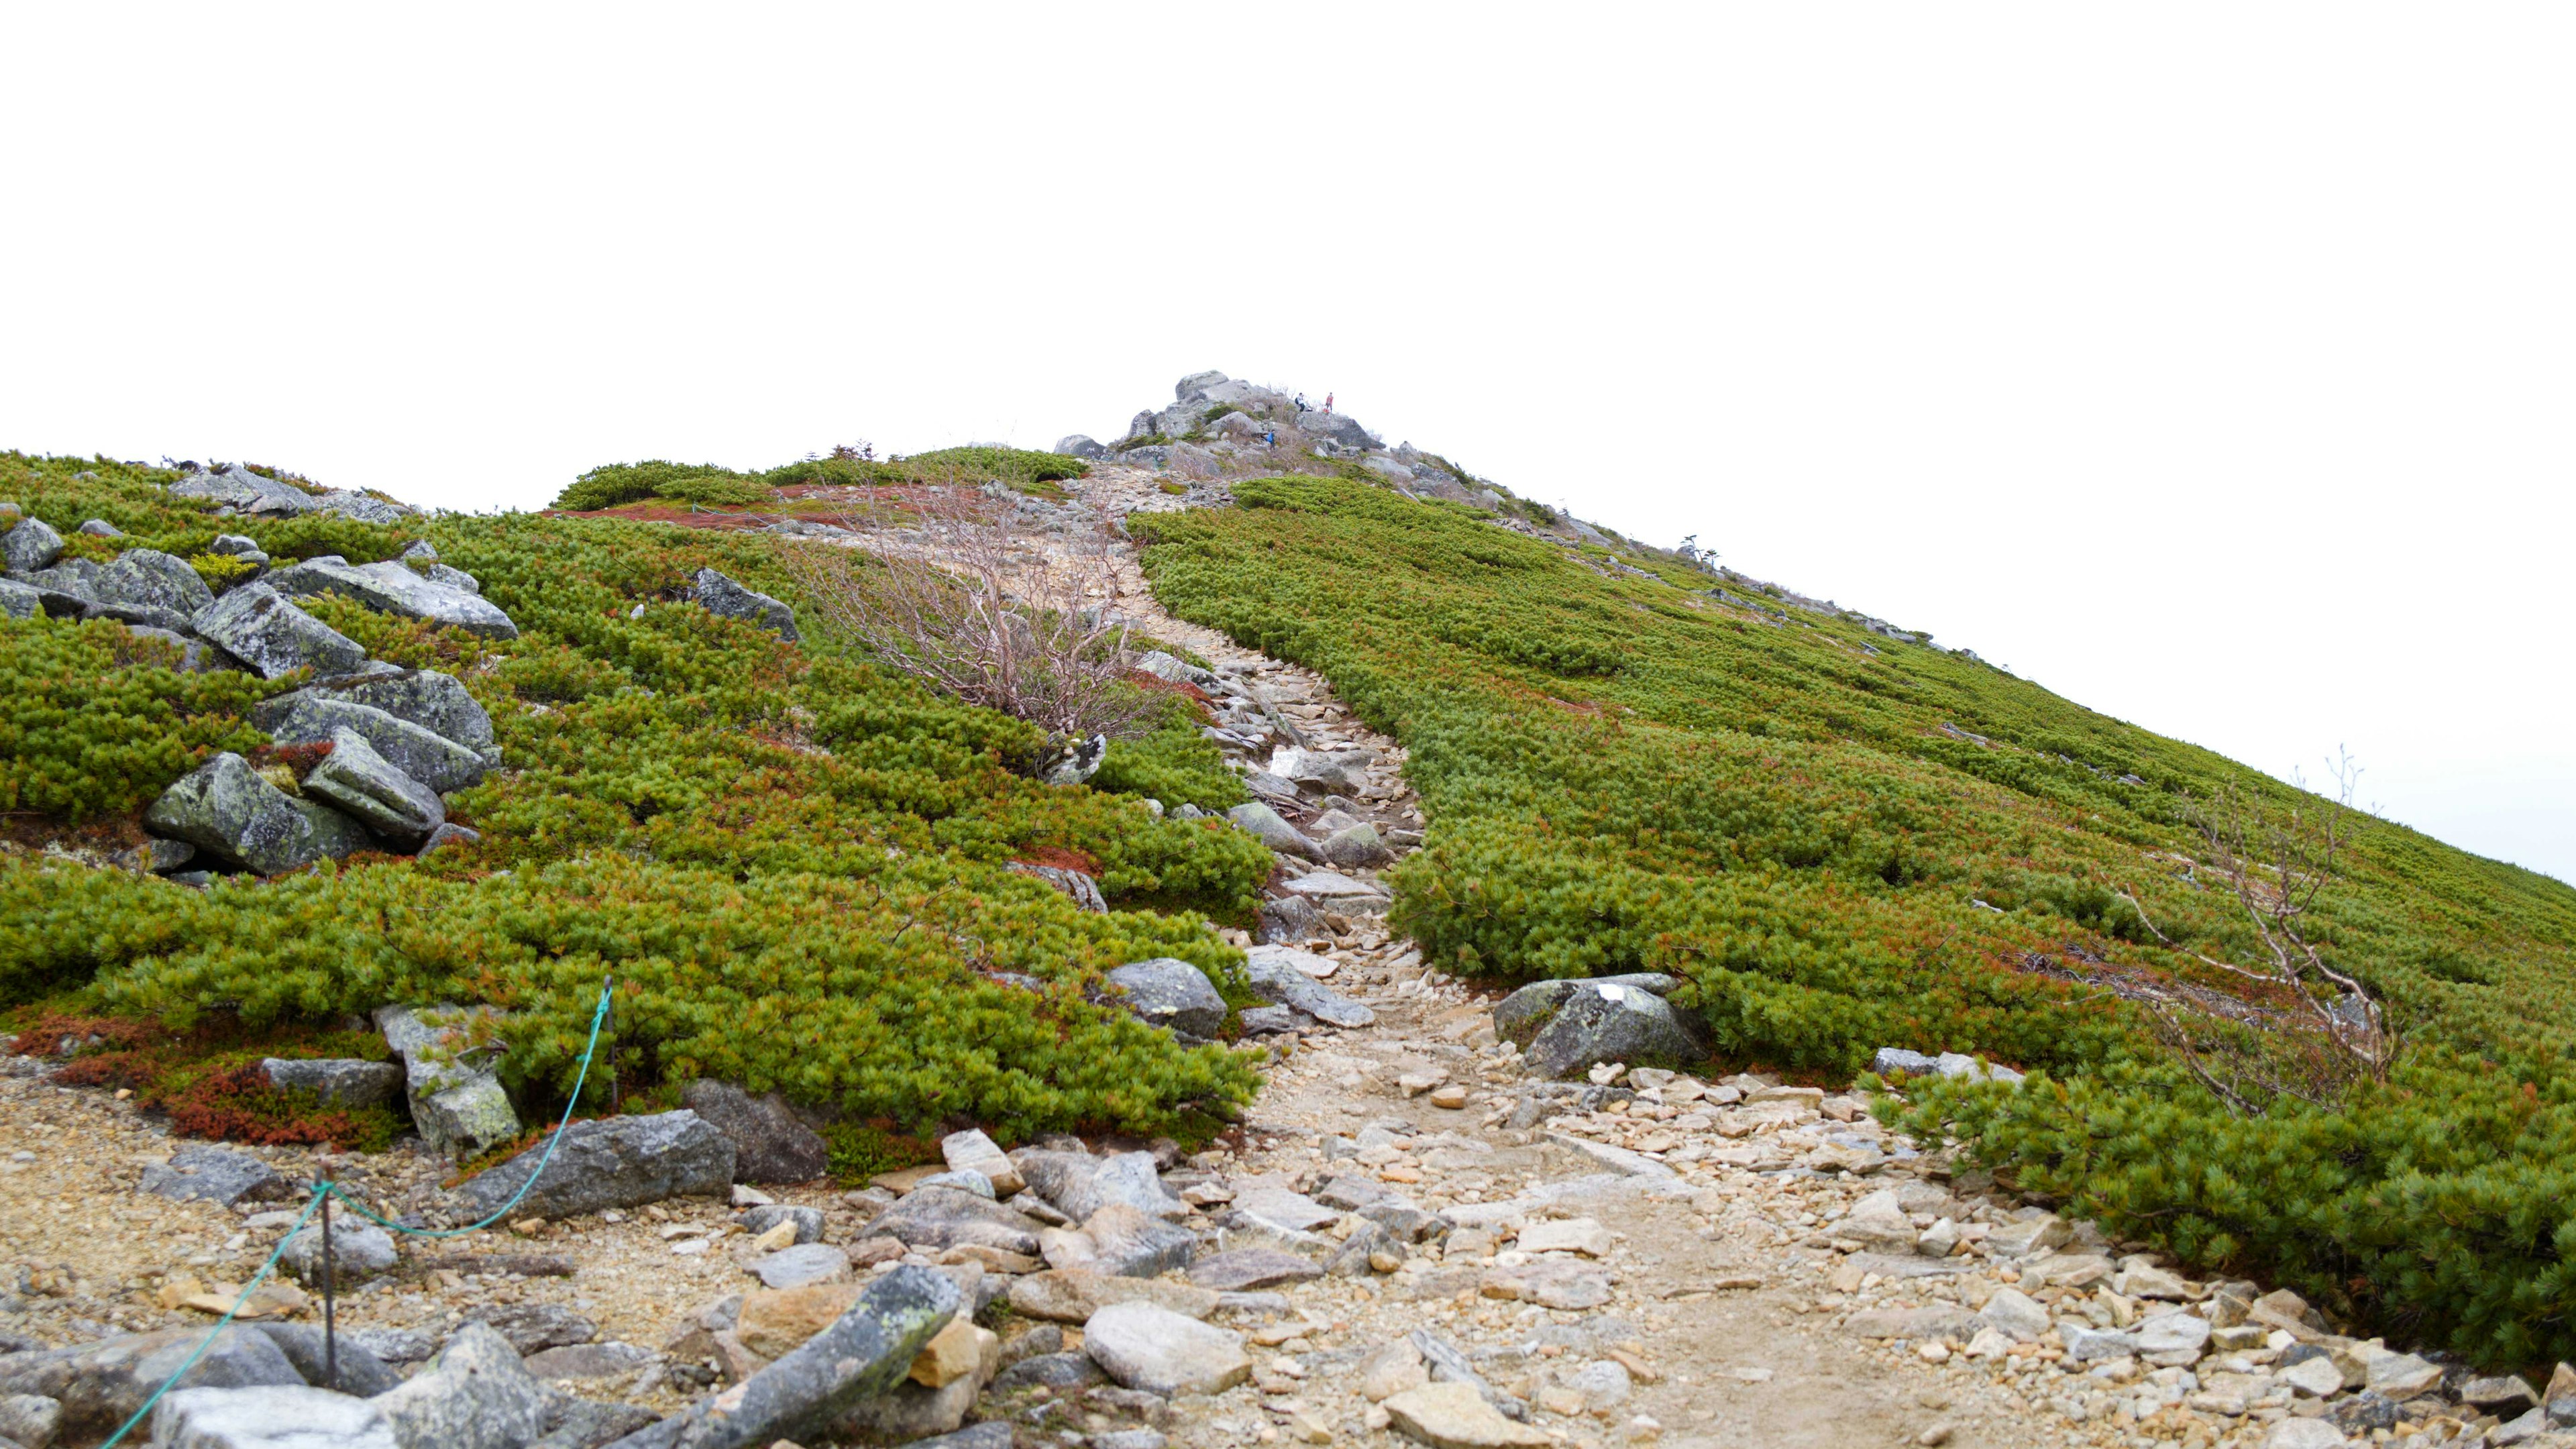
(2209, 364)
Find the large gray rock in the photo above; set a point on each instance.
(535, 1327)
(1170, 992)
(1196, 385)
(21, 601)
(149, 578)
(1132, 1243)
(476, 1395)
(212, 1174)
(392, 588)
(456, 1101)
(1161, 1352)
(435, 761)
(1354, 846)
(1079, 1184)
(240, 488)
(1291, 919)
(1323, 772)
(224, 808)
(769, 1144)
(1519, 1016)
(612, 1162)
(1277, 980)
(1081, 446)
(359, 1250)
(864, 1354)
(30, 1419)
(1263, 824)
(289, 1416)
(338, 1081)
(365, 786)
(722, 596)
(436, 702)
(256, 625)
(30, 546)
(101, 1385)
(351, 503)
(360, 1371)
(1565, 1027)
(945, 1217)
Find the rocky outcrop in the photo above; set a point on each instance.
(255, 624)
(393, 588)
(725, 598)
(227, 810)
(432, 759)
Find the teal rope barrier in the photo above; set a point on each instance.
(220, 1324)
(332, 1189)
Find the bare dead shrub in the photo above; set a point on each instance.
(980, 604)
(2313, 1031)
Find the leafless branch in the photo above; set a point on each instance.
(981, 606)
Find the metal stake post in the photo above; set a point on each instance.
(330, 1287)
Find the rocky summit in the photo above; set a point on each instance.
(1230, 934)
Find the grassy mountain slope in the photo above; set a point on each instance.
(794, 865)
(1802, 816)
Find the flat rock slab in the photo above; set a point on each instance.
(1551, 1283)
(1073, 1295)
(1247, 1268)
(214, 1174)
(1154, 1349)
(432, 759)
(612, 1162)
(392, 588)
(802, 1266)
(1284, 983)
(1277, 1207)
(588, 1361)
(1455, 1416)
(283, 1416)
(948, 1217)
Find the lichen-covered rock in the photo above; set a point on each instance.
(936, 1218)
(435, 761)
(366, 786)
(1264, 824)
(101, 1385)
(256, 625)
(188, 656)
(1567, 1026)
(456, 1101)
(612, 1162)
(21, 601)
(239, 488)
(30, 546)
(224, 808)
(1169, 992)
(393, 588)
(436, 702)
(722, 596)
(149, 578)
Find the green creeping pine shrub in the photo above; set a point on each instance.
(1790, 813)
(95, 721)
(1011, 465)
(795, 866)
(615, 483)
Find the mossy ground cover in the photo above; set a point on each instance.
(1843, 842)
(794, 865)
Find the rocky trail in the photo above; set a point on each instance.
(1452, 1217)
